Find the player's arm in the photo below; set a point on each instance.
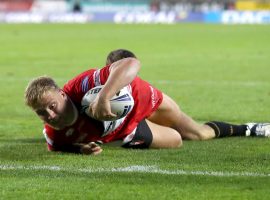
(122, 73)
(81, 148)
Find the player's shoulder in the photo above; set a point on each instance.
(79, 84)
(80, 77)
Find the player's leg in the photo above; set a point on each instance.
(164, 137)
(151, 135)
(169, 114)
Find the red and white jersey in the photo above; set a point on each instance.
(85, 129)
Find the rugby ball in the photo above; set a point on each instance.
(121, 103)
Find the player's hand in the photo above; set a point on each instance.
(100, 109)
(91, 149)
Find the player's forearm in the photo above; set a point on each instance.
(122, 73)
(81, 148)
(72, 148)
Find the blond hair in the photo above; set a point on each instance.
(37, 88)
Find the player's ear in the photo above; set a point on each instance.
(62, 93)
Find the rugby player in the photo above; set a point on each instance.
(155, 121)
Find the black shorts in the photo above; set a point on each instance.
(142, 139)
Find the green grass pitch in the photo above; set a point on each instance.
(214, 72)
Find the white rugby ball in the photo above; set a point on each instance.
(121, 103)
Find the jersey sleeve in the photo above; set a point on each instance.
(56, 139)
(58, 144)
(103, 75)
(78, 86)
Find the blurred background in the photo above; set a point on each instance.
(135, 11)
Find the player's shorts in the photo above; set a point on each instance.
(142, 139)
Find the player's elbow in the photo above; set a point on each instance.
(133, 63)
(129, 66)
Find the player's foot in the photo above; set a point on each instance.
(258, 129)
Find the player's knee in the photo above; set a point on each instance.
(170, 139)
(177, 142)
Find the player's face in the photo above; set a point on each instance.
(56, 109)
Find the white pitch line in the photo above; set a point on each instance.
(137, 168)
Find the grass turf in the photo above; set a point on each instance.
(213, 71)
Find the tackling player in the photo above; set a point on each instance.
(156, 121)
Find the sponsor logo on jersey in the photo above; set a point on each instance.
(153, 96)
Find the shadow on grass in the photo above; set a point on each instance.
(23, 140)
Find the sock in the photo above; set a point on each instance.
(224, 129)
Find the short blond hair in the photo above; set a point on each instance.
(37, 88)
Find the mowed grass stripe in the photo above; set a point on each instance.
(165, 82)
(137, 169)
